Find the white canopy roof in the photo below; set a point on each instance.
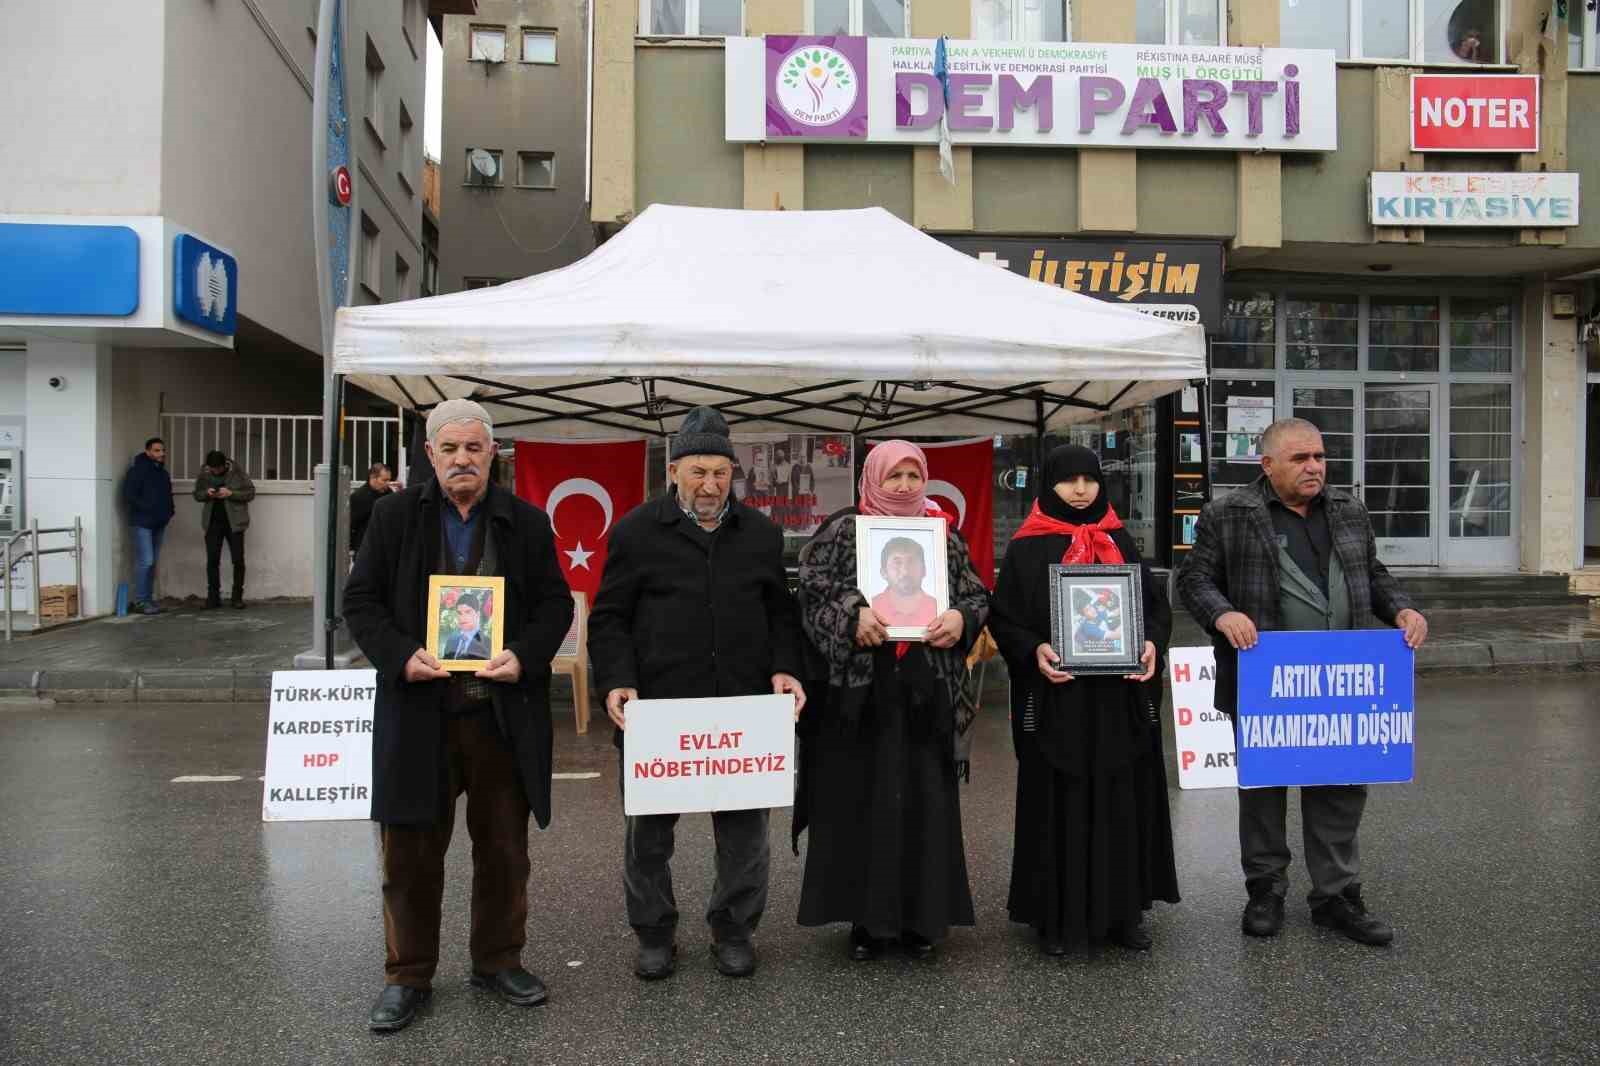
(838, 321)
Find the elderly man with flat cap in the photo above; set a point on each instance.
(695, 603)
(435, 734)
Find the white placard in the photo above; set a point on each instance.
(1203, 734)
(730, 754)
(319, 746)
(1536, 199)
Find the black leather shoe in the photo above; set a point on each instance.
(396, 1007)
(515, 985)
(655, 961)
(213, 602)
(1135, 936)
(864, 947)
(735, 958)
(237, 603)
(1263, 915)
(916, 945)
(1348, 914)
(1053, 948)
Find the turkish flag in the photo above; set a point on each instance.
(961, 479)
(584, 486)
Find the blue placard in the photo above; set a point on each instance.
(47, 269)
(1321, 708)
(205, 285)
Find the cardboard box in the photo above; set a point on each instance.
(58, 602)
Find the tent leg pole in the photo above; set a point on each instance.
(333, 438)
(1038, 440)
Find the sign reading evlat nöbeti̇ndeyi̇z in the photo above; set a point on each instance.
(1535, 198)
(1317, 708)
(883, 90)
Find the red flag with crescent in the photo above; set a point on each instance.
(961, 479)
(585, 487)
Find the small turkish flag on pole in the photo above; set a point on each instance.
(585, 487)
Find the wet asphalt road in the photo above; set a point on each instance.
(147, 921)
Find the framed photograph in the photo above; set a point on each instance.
(1097, 618)
(902, 570)
(464, 613)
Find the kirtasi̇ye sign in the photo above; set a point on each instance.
(884, 90)
(1180, 281)
(1531, 198)
(1474, 112)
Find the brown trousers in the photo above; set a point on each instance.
(482, 766)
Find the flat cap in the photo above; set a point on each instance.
(458, 411)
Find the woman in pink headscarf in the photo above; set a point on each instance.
(882, 749)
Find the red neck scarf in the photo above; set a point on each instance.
(1091, 542)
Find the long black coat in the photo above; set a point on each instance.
(384, 604)
(675, 620)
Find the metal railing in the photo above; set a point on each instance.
(275, 447)
(10, 556)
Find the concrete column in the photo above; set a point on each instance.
(613, 122)
(935, 203)
(1391, 134)
(774, 177)
(1533, 53)
(1254, 24)
(1108, 178)
(1552, 405)
(69, 465)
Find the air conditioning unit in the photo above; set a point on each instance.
(483, 168)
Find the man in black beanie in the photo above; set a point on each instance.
(695, 603)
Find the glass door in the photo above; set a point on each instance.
(1397, 471)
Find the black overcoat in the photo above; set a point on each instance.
(384, 605)
(681, 615)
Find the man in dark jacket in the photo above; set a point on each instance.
(225, 490)
(148, 490)
(361, 501)
(1287, 552)
(436, 734)
(695, 603)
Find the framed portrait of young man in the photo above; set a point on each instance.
(1097, 618)
(901, 568)
(464, 620)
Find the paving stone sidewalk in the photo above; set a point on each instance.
(190, 654)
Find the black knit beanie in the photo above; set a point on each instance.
(704, 432)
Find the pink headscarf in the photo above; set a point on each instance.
(883, 458)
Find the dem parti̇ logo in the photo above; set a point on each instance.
(816, 85)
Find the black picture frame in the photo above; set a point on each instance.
(1097, 618)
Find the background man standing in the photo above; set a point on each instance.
(148, 490)
(361, 501)
(436, 735)
(225, 490)
(695, 603)
(1288, 552)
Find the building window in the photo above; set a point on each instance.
(1581, 28)
(1440, 32)
(536, 170)
(484, 168)
(1249, 338)
(691, 18)
(538, 46)
(486, 44)
(1480, 459)
(402, 279)
(408, 150)
(1480, 336)
(371, 261)
(1322, 332)
(374, 101)
(859, 18)
(1021, 20)
(411, 25)
(430, 273)
(1403, 334)
(482, 283)
(1180, 22)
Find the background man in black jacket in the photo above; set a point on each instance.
(436, 734)
(362, 501)
(695, 603)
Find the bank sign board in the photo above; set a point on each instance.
(1474, 112)
(1180, 281)
(1520, 199)
(995, 93)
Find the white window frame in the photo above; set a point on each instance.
(472, 36)
(1415, 14)
(527, 152)
(1590, 60)
(538, 31)
(500, 170)
(858, 17)
(1017, 22)
(691, 21)
(1175, 24)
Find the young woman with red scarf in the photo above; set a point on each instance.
(1093, 845)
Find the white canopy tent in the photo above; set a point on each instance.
(827, 321)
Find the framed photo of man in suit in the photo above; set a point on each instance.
(464, 630)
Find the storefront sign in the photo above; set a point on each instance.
(1315, 709)
(730, 754)
(1474, 112)
(1176, 280)
(68, 270)
(319, 746)
(1531, 199)
(205, 285)
(883, 90)
(1202, 734)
